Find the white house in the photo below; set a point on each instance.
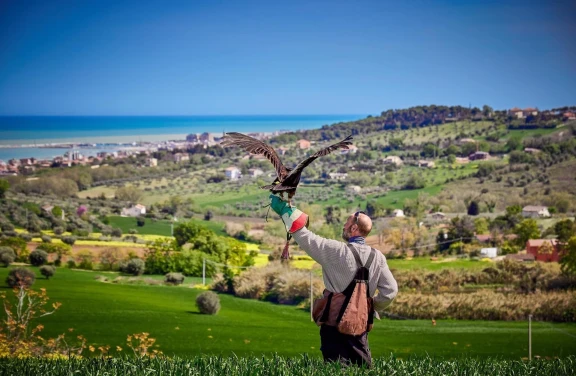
(393, 159)
(181, 157)
(354, 188)
(489, 252)
(534, 211)
(399, 213)
(134, 211)
(233, 173)
(338, 175)
(151, 162)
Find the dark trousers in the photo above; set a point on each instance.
(347, 349)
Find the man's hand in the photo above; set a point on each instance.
(293, 218)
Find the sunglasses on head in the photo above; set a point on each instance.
(357, 214)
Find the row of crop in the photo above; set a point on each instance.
(486, 305)
(508, 274)
(208, 365)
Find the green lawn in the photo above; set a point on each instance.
(105, 313)
(427, 264)
(160, 227)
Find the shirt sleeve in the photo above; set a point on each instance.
(387, 287)
(324, 251)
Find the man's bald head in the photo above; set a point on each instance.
(357, 226)
(364, 224)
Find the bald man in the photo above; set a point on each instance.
(339, 267)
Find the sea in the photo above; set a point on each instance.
(32, 136)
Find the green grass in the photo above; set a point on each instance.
(149, 228)
(105, 313)
(162, 228)
(427, 264)
(533, 132)
(207, 365)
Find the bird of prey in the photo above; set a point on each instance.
(287, 178)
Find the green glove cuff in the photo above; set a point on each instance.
(293, 218)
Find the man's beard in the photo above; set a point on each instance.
(345, 235)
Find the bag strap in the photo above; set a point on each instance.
(357, 257)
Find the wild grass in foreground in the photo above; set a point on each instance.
(277, 365)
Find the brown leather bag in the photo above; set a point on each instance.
(351, 311)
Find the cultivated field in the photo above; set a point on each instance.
(106, 312)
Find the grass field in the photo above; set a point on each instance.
(105, 313)
(162, 228)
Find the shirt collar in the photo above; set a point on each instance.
(357, 239)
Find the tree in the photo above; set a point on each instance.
(4, 186)
(568, 261)
(525, 230)
(564, 230)
(129, 193)
(473, 208)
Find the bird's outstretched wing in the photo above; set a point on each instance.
(339, 145)
(255, 146)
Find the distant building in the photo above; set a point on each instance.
(233, 173)
(533, 211)
(543, 249)
(530, 111)
(193, 137)
(427, 164)
(282, 150)
(479, 155)
(398, 213)
(569, 116)
(151, 162)
(352, 149)
(338, 175)
(438, 216)
(531, 150)
(393, 159)
(489, 252)
(516, 112)
(354, 188)
(206, 137)
(134, 211)
(303, 144)
(181, 157)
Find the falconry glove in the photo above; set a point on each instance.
(293, 218)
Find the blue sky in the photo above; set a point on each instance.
(282, 57)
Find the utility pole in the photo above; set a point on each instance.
(529, 337)
(311, 297)
(203, 272)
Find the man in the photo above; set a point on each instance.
(339, 268)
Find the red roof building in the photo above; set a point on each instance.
(543, 249)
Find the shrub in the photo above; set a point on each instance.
(135, 267)
(47, 271)
(132, 231)
(7, 256)
(70, 240)
(25, 236)
(208, 303)
(174, 278)
(38, 257)
(46, 239)
(85, 259)
(58, 230)
(71, 264)
(20, 277)
(140, 221)
(116, 232)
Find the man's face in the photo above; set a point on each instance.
(347, 230)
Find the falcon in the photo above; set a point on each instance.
(287, 178)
